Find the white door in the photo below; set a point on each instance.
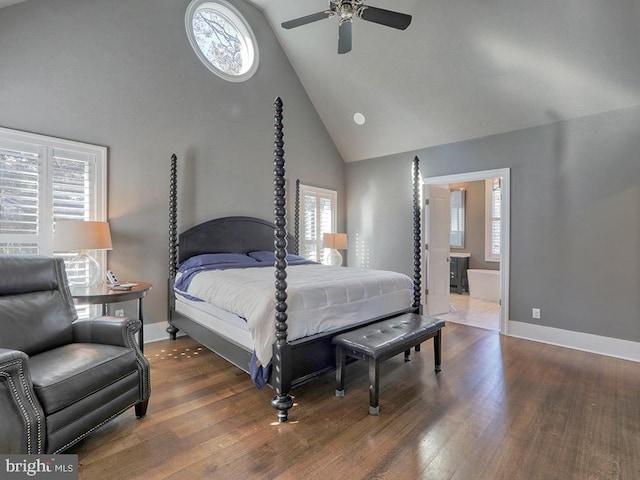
(438, 212)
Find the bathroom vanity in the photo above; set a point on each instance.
(458, 267)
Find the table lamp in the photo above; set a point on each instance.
(81, 236)
(334, 241)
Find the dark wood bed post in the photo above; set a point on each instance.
(281, 361)
(173, 241)
(417, 243)
(296, 220)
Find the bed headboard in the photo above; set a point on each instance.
(228, 235)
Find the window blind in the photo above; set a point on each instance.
(493, 219)
(318, 217)
(42, 180)
(19, 201)
(496, 197)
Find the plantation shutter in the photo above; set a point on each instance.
(457, 218)
(43, 180)
(318, 217)
(19, 198)
(496, 197)
(493, 199)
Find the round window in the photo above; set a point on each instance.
(222, 39)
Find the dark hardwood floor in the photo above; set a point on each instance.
(502, 408)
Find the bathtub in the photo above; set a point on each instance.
(484, 284)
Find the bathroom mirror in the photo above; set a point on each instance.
(457, 218)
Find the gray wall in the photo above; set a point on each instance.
(122, 74)
(575, 205)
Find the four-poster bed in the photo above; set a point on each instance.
(295, 357)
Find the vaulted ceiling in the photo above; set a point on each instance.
(6, 3)
(463, 68)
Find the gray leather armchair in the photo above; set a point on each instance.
(60, 377)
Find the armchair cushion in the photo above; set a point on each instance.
(36, 307)
(66, 374)
(115, 331)
(37, 275)
(35, 322)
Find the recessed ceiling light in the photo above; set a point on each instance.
(359, 118)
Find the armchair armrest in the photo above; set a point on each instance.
(22, 430)
(108, 330)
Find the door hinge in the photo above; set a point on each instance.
(426, 246)
(426, 291)
(426, 202)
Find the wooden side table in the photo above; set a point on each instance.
(102, 294)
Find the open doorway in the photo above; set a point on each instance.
(449, 301)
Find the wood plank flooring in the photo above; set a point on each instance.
(502, 408)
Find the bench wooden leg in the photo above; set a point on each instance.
(374, 386)
(340, 360)
(437, 346)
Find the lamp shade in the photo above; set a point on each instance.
(73, 235)
(335, 240)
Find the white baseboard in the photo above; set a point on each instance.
(154, 332)
(611, 347)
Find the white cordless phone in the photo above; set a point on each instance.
(115, 283)
(112, 279)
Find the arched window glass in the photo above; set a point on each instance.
(222, 39)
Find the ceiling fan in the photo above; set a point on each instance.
(346, 10)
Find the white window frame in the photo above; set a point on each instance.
(489, 256)
(46, 148)
(318, 193)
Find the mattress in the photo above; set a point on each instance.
(224, 323)
(320, 298)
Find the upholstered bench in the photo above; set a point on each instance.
(382, 340)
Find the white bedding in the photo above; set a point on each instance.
(320, 298)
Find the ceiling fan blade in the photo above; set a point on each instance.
(385, 17)
(314, 17)
(344, 36)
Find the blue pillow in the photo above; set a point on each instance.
(266, 256)
(216, 259)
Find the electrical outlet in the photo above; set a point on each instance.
(120, 313)
(535, 313)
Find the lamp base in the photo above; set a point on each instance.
(333, 258)
(83, 270)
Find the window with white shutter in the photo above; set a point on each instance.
(318, 216)
(493, 199)
(43, 180)
(457, 218)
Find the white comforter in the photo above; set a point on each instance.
(320, 298)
